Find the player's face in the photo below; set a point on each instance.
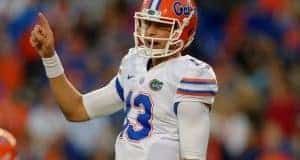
(157, 30)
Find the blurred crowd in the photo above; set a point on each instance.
(253, 45)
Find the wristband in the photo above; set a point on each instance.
(53, 66)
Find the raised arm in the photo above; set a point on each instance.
(72, 103)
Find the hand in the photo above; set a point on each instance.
(42, 38)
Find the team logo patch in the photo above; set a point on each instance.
(181, 9)
(156, 85)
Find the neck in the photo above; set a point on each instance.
(156, 61)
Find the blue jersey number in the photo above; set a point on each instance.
(141, 100)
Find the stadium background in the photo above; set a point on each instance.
(254, 46)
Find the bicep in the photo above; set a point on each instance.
(103, 101)
(194, 126)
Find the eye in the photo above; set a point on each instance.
(147, 23)
(144, 23)
(163, 25)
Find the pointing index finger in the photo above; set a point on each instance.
(43, 20)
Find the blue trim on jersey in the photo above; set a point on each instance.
(196, 91)
(120, 89)
(188, 82)
(175, 107)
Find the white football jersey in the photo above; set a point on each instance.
(151, 98)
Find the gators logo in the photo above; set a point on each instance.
(181, 9)
(156, 85)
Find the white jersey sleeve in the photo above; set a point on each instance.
(193, 136)
(109, 99)
(197, 83)
(196, 88)
(103, 101)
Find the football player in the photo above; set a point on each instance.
(166, 96)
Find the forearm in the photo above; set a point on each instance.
(68, 98)
(74, 105)
(66, 95)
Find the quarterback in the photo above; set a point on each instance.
(166, 96)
